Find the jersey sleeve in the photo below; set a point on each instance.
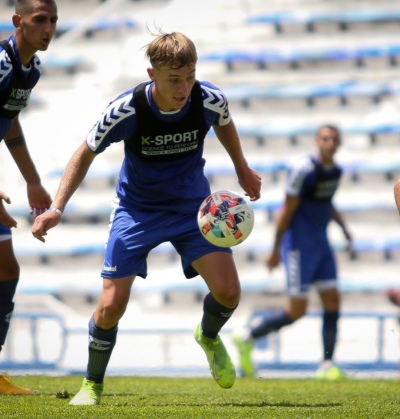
(5, 69)
(116, 123)
(297, 176)
(215, 105)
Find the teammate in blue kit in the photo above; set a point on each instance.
(20, 69)
(163, 123)
(301, 241)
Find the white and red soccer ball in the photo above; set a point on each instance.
(225, 218)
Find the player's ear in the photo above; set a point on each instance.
(150, 72)
(16, 20)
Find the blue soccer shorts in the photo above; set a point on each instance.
(134, 233)
(5, 232)
(306, 268)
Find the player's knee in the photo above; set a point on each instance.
(111, 312)
(296, 313)
(9, 270)
(230, 298)
(294, 316)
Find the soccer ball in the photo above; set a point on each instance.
(225, 218)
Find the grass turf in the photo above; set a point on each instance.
(139, 397)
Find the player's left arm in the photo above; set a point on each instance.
(249, 179)
(38, 198)
(396, 190)
(338, 218)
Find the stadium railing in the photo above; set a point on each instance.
(54, 361)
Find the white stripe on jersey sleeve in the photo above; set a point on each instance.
(116, 112)
(5, 66)
(296, 175)
(215, 101)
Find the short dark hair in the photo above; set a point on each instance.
(329, 126)
(27, 6)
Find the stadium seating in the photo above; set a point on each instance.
(309, 19)
(292, 131)
(99, 25)
(262, 57)
(309, 92)
(63, 26)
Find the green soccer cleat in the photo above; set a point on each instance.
(89, 394)
(221, 365)
(245, 349)
(331, 373)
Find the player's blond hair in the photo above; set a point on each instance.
(173, 49)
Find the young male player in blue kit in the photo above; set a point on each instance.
(302, 242)
(161, 185)
(20, 69)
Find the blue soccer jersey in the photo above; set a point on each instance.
(306, 251)
(161, 182)
(16, 84)
(163, 168)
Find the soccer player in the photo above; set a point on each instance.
(301, 241)
(163, 123)
(20, 69)
(393, 294)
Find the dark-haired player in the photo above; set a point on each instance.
(301, 242)
(20, 69)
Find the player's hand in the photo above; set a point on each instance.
(272, 260)
(43, 223)
(39, 199)
(250, 181)
(5, 217)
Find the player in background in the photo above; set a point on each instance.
(163, 123)
(393, 294)
(20, 69)
(301, 241)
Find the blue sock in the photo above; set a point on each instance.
(101, 345)
(7, 292)
(329, 332)
(271, 323)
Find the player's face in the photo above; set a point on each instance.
(36, 29)
(172, 86)
(328, 141)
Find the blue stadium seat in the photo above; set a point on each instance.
(269, 206)
(64, 249)
(341, 17)
(355, 169)
(293, 56)
(384, 246)
(99, 25)
(310, 91)
(292, 131)
(68, 64)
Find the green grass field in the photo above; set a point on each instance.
(137, 397)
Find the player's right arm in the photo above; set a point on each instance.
(74, 174)
(397, 194)
(282, 223)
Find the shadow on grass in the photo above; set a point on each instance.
(246, 405)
